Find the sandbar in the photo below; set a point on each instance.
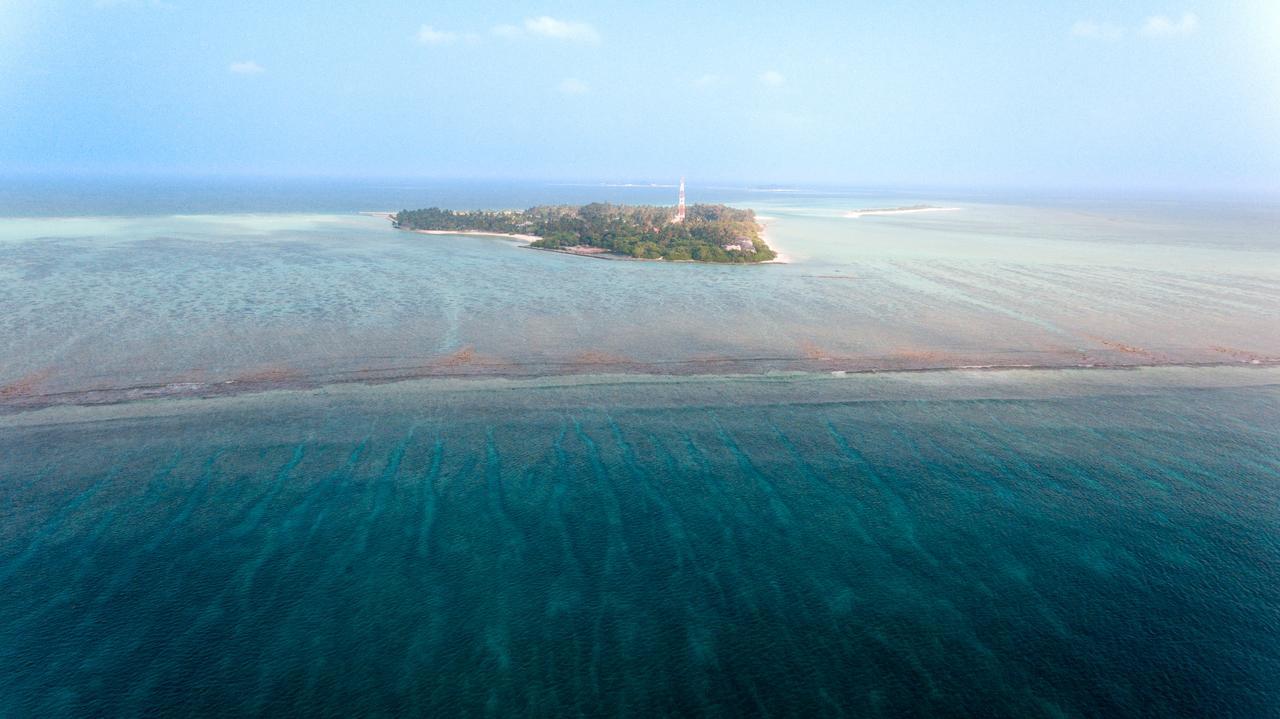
(896, 211)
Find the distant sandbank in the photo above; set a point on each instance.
(897, 210)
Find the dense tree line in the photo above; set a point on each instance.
(641, 231)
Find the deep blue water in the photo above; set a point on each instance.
(725, 548)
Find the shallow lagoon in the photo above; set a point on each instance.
(174, 304)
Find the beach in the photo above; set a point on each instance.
(507, 235)
(391, 217)
(782, 258)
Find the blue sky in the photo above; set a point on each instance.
(1181, 95)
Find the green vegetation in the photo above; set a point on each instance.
(709, 233)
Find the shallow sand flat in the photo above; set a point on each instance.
(158, 305)
(655, 392)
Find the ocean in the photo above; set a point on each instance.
(261, 454)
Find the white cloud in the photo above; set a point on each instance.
(1097, 30)
(706, 80)
(428, 35)
(772, 78)
(549, 27)
(1165, 26)
(1153, 26)
(573, 86)
(246, 67)
(561, 29)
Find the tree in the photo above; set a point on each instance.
(636, 231)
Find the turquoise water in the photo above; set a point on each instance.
(261, 454)
(126, 305)
(1035, 544)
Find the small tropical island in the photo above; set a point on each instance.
(699, 233)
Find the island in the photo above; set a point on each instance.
(701, 233)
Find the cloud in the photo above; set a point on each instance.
(1097, 30)
(573, 86)
(706, 80)
(1156, 26)
(428, 35)
(549, 27)
(1165, 26)
(246, 67)
(561, 29)
(772, 78)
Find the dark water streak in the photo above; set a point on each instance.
(1079, 555)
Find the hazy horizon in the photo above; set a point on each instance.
(1086, 96)
(38, 182)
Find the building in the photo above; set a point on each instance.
(680, 207)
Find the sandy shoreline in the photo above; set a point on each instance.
(600, 255)
(781, 258)
(480, 233)
(391, 217)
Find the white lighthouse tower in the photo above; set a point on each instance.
(680, 207)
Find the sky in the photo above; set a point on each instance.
(1169, 94)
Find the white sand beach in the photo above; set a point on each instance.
(522, 238)
(781, 258)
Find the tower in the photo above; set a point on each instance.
(680, 208)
